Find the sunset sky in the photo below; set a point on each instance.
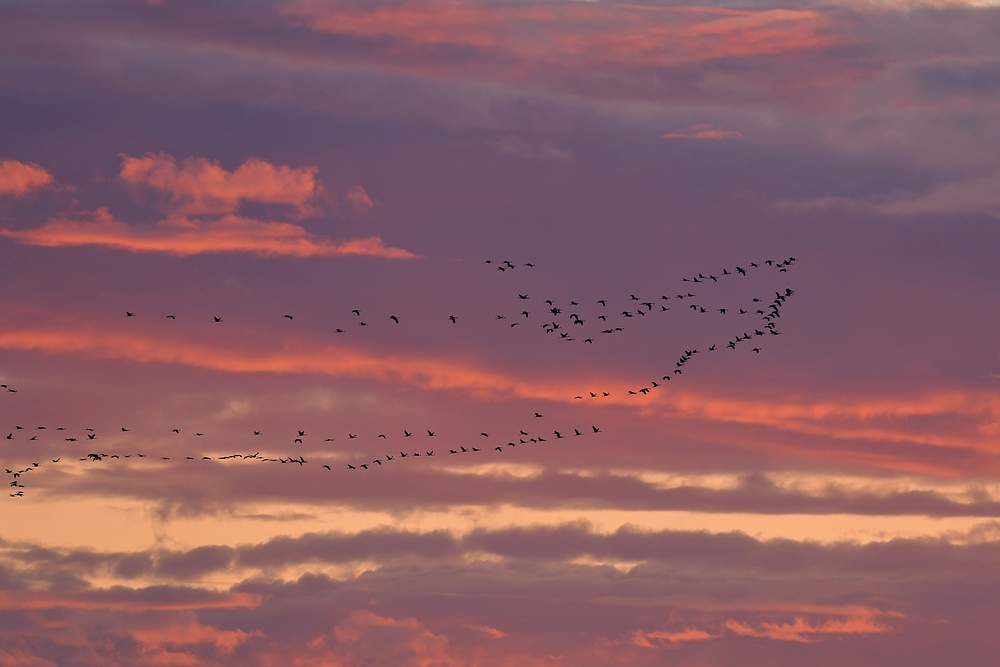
(196, 195)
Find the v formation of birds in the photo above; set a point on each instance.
(559, 319)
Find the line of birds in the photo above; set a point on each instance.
(555, 310)
(523, 437)
(566, 329)
(772, 313)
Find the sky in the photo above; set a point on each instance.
(476, 334)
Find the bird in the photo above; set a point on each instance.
(407, 434)
(522, 296)
(128, 314)
(452, 318)
(288, 316)
(596, 430)
(256, 432)
(430, 433)
(356, 312)
(171, 317)
(351, 436)
(394, 319)
(537, 415)
(217, 319)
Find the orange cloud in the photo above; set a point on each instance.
(184, 236)
(486, 631)
(861, 419)
(198, 186)
(703, 132)
(567, 33)
(26, 600)
(802, 631)
(18, 179)
(672, 638)
(295, 356)
(360, 200)
(365, 638)
(154, 638)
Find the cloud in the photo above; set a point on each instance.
(971, 196)
(976, 195)
(293, 356)
(360, 200)
(661, 637)
(366, 639)
(18, 178)
(803, 631)
(514, 145)
(199, 186)
(184, 236)
(703, 132)
(577, 34)
(485, 631)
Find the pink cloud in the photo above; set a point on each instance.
(803, 631)
(18, 178)
(184, 236)
(199, 186)
(643, 639)
(368, 639)
(703, 132)
(568, 33)
(486, 631)
(360, 200)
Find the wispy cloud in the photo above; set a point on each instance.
(360, 200)
(703, 132)
(567, 32)
(184, 236)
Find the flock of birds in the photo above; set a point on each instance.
(561, 320)
(523, 437)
